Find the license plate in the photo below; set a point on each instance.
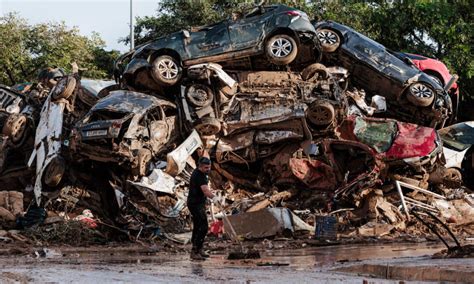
(96, 133)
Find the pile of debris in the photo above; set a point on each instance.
(311, 127)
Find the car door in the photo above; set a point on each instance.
(208, 41)
(248, 31)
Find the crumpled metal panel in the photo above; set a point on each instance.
(412, 141)
(314, 173)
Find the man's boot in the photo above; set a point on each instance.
(203, 253)
(195, 255)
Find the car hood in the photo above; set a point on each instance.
(126, 102)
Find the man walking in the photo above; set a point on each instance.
(198, 191)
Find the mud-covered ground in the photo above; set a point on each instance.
(375, 263)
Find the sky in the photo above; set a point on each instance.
(110, 18)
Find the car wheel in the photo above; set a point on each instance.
(64, 88)
(143, 161)
(328, 39)
(281, 49)
(320, 113)
(208, 126)
(452, 177)
(199, 95)
(420, 94)
(315, 69)
(166, 70)
(54, 171)
(15, 127)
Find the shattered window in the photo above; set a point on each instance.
(378, 134)
(458, 136)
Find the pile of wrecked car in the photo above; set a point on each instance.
(303, 120)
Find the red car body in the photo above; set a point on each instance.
(394, 141)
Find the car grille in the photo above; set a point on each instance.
(6, 98)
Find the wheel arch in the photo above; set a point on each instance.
(165, 51)
(285, 31)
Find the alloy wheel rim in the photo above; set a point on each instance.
(281, 47)
(421, 91)
(327, 37)
(319, 114)
(199, 94)
(168, 69)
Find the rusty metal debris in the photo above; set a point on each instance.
(291, 147)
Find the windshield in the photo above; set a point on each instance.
(458, 136)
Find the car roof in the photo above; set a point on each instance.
(128, 102)
(95, 86)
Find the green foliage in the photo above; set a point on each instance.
(25, 49)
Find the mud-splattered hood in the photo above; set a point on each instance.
(126, 102)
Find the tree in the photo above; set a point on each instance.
(26, 49)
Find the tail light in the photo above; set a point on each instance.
(293, 13)
(296, 14)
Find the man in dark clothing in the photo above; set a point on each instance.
(198, 192)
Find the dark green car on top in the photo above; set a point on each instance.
(273, 32)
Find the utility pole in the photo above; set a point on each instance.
(132, 36)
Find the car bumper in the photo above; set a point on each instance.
(99, 154)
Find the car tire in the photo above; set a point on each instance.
(208, 126)
(420, 94)
(199, 95)
(15, 127)
(54, 171)
(281, 49)
(452, 177)
(64, 88)
(166, 71)
(314, 69)
(321, 113)
(144, 157)
(328, 39)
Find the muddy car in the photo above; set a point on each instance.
(411, 95)
(458, 151)
(410, 152)
(277, 31)
(258, 99)
(334, 166)
(127, 128)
